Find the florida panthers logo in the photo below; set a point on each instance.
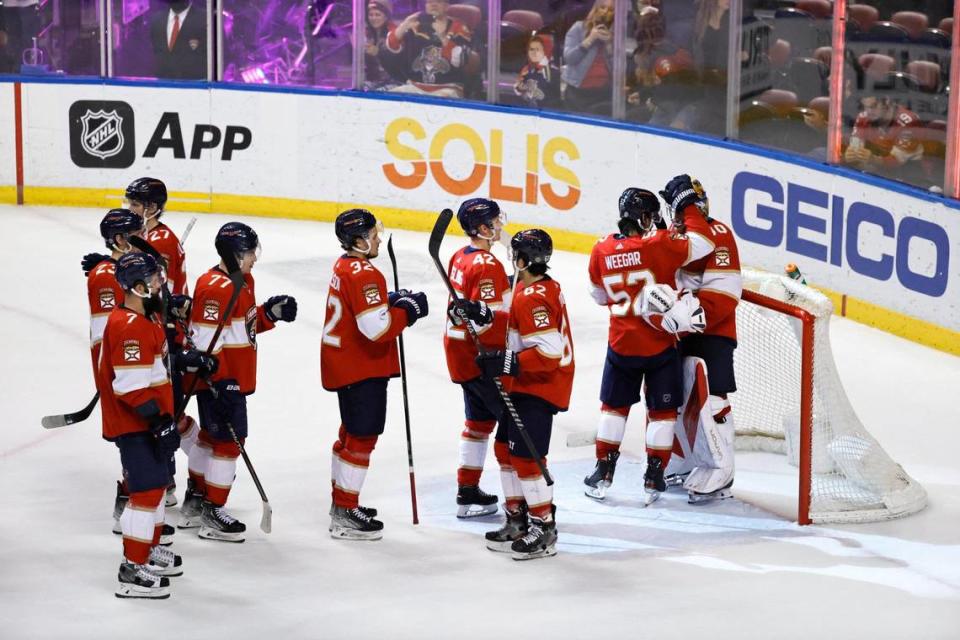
(102, 134)
(251, 325)
(541, 318)
(487, 290)
(107, 299)
(723, 257)
(131, 351)
(430, 64)
(531, 91)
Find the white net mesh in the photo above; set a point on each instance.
(852, 477)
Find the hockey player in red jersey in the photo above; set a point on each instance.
(213, 461)
(716, 280)
(485, 295)
(148, 197)
(633, 274)
(358, 356)
(136, 399)
(537, 370)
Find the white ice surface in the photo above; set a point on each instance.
(731, 570)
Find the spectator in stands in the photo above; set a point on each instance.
(179, 39)
(6, 59)
(711, 35)
(435, 51)
(588, 61)
(538, 84)
(641, 74)
(379, 25)
(21, 23)
(883, 139)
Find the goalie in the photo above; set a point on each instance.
(703, 448)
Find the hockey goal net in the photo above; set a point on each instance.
(790, 400)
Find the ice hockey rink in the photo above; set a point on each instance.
(736, 569)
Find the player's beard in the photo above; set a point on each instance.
(153, 304)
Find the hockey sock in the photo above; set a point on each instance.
(512, 490)
(660, 434)
(221, 471)
(473, 450)
(199, 461)
(536, 492)
(158, 522)
(352, 470)
(138, 522)
(189, 430)
(613, 423)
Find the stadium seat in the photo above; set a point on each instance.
(927, 74)
(819, 9)
(865, 15)
(466, 13)
(779, 100)
(886, 32)
(913, 21)
(529, 20)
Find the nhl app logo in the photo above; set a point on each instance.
(102, 134)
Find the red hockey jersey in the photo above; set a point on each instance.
(360, 330)
(539, 332)
(104, 295)
(620, 267)
(476, 275)
(133, 371)
(236, 347)
(715, 278)
(166, 243)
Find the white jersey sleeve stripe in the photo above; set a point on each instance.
(728, 282)
(98, 324)
(202, 335)
(699, 246)
(373, 323)
(129, 379)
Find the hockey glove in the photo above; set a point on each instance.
(91, 260)
(415, 304)
(494, 364)
(178, 308)
(658, 298)
(161, 427)
(393, 296)
(686, 316)
(280, 308)
(679, 192)
(196, 361)
(476, 311)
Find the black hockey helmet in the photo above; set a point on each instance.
(119, 222)
(238, 237)
(353, 224)
(534, 246)
(137, 268)
(640, 208)
(147, 190)
(475, 212)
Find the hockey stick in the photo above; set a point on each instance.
(436, 237)
(64, 419)
(403, 384)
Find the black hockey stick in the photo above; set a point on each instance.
(403, 384)
(64, 419)
(436, 237)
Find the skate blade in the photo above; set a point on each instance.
(210, 534)
(170, 500)
(543, 553)
(476, 510)
(650, 497)
(340, 533)
(166, 541)
(133, 591)
(169, 572)
(188, 523)
(676, 480)
(500, 547)
(704, 498)
(116, 527)
(598, 492)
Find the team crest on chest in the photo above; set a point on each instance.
(723, 257)
(487, 290)
(211, 310)
(107, 299)
(131, 351)
(541, 318)
(371, 293)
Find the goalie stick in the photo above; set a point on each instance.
(403, 384)
(64, 419)
(436, 237)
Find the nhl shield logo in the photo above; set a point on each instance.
(102, 133)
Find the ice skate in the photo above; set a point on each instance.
(354, 524)
(217, 524)
(170, 499)
(136, 581)
(192, 508)
(602, 477)
(653, 482)
(540, 540)
(163, 562)
(676, 479)
(166, 535)
(512, 530)
(370, 512)
(472, 502)
(694, 497)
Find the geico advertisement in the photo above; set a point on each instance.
(465, 161)
(876, 245)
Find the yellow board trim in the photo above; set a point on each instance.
(916, 330)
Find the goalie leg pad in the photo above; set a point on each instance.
(715, 451)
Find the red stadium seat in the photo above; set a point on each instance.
(865, 15)
(465, 13)
(876, 65)
(821, 104)
(820, 9)
(927, 74)
(946, 25)
(913, 21)
(824, 55)
(780, 100)
(529, 20)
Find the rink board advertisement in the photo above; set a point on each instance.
(308, 155)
